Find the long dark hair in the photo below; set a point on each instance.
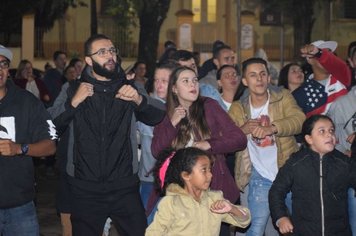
(182, 160)
(283, 75)
(194, 123)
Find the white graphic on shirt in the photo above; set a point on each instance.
(7, 128)
(269, 139)
(52, 130)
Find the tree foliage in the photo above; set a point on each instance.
(11, 13)
(46, 13)
(123, 12)
(151, 15)
(124, 16)
(93, 18)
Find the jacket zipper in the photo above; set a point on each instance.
(321, 198)
(102, 160)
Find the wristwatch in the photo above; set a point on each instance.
(24, 149)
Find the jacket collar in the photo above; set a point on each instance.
(175, 189)
(275, 95)
(154, 95)
(316, 155)
(275, 92)
(104, 86)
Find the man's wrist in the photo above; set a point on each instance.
(138, 100)
(319, 53)
(74, 103)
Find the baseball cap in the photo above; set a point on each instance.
(332, 45)
(5, 52)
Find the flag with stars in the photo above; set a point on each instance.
(315, 98)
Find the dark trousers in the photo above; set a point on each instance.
(91, 209)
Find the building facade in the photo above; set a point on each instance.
(211, 20)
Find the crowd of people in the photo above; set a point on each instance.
(211, 149)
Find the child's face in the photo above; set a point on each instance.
(200, 177)
(322, 139)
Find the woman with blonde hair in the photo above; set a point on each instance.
(25, 79)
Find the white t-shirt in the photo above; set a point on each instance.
(191, 141)
(263, 152)
(227, 104)
(32, 87)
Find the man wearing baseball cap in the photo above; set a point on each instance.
(26, 131)
(330, 78)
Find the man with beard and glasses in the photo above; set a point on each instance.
(101, 105)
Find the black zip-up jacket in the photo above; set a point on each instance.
(102, 150)
(319, 192)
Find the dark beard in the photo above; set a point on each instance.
(102, 71)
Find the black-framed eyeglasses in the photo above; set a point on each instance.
(353, 122)
(102, 52)
(4, 64)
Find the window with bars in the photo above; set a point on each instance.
(196, 9)
(204, 11)
(344, 9)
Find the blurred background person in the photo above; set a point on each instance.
(185, 58)
(230, 85)
(343, 114)
(231, 89)
(208, 85)
(273, 71)
(147, 161)
(77, 63)
(70, 73)
(209, 65)
(53, 77)
(330, 78)
(25, 79)
(169, 48)
(291, 76)
(47, 66)
(223, 55)
(351, 61)
(140, 70)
